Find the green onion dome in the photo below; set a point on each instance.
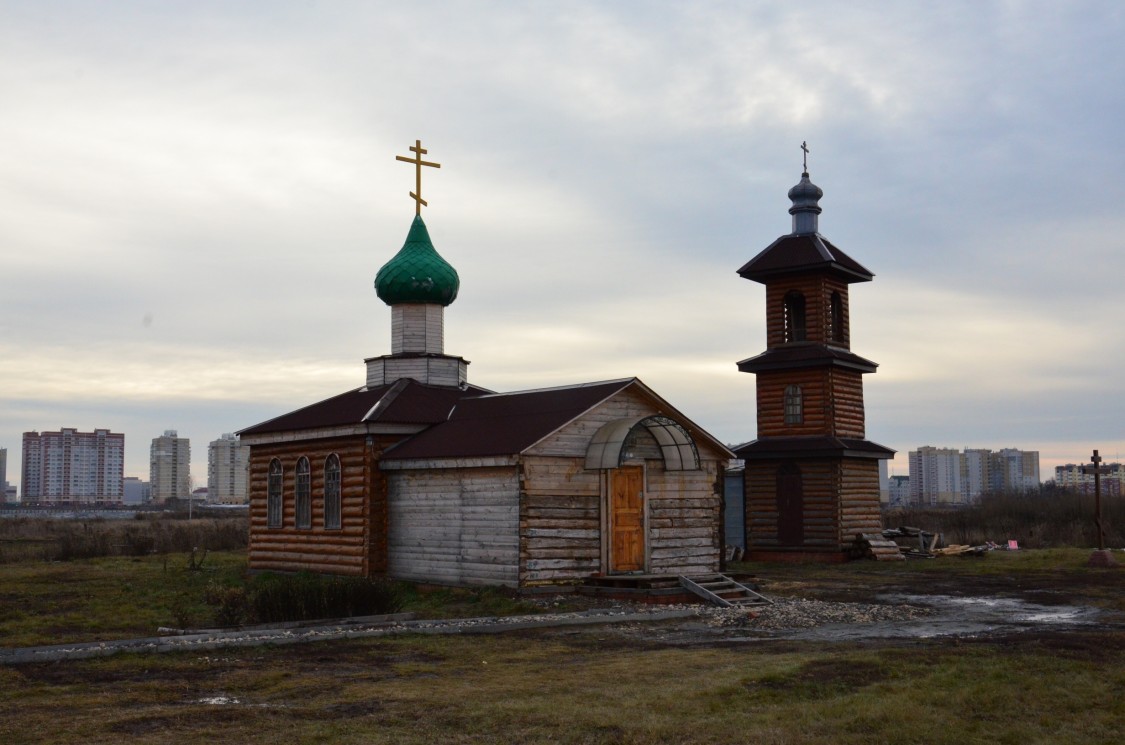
(417, 273)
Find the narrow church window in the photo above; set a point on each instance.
(332, 492)
(273, 495)
(794, 316)
(304, 501)
(836, 318)
(794, 409)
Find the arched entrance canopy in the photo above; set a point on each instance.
(607, 448)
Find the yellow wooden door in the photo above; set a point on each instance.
(627, 519)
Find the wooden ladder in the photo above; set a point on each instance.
(723, 591)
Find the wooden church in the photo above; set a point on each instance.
(812, 479)
(418, 475)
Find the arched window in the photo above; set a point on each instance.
(794, 316)
(332, 492)
(273, 495)
(836, 318)
(304, 498)
(794, 405)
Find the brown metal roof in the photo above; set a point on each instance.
(405, 401)
(801, 253)
(804, 355)
(505, 423)
(811, 447)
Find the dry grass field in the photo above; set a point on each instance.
(600, 684)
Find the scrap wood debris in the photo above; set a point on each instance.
(915, 543)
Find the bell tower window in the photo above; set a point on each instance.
(794, 405)
(794, 316)
(836, 318)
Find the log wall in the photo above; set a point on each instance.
(358, 547)
(817, 289)
(456, 526)
(832, 402)
(841, 499)
(684, 514)
(560, 520)
(859, 499)
(819, 480)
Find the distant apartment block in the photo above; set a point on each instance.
(1018, 470)
(68, 467)
(7, 491)
(945, 477)
(898, 489)
(1072, 476)
(935, 476)
(136, 491)
(169, 469)
(227, 462)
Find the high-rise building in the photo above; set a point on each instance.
(1074, 476)
(1015, 470)
(935, 476)
(227, 461)
(136, 491)
(69, 466)
(7, 492)
(169, 473)
(899, 489)
(976, 473)
(943, 476)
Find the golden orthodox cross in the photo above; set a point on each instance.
(805, 148)
(418, 151)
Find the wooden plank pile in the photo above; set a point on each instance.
(961, 550)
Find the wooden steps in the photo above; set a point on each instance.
(638, 588)
(721, 590)
(715, 588)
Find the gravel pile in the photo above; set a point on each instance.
(798, 613)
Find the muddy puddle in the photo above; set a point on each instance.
(956, 616)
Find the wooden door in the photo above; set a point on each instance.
(790, 506)
(627, 519)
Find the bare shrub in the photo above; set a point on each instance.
(1047, 518)
(39, 539)
(304, 596)
(231, 604)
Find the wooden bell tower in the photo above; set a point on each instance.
(812, 479)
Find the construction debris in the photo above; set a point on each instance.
(915, 543)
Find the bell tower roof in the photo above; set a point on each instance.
(805, 249)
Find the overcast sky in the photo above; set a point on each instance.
(195, 198)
